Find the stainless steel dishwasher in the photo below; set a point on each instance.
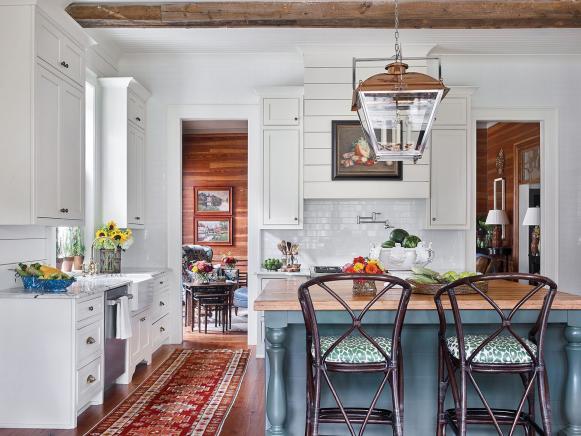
(115, 349)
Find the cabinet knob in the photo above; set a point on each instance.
(90, 340)
(138, 119)
(296, 118)
(64, 64)
(91, 379)
(434, 219)
(161, 303)
(142, 319)
(161, 283)
(63, 210)
(161, 330)
(91, 308)
(137, 218)
(296, 219)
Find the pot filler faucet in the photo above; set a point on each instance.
(373, 220)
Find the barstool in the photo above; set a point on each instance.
(349, 353)
(501, 352)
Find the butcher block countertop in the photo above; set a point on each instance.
(281, 295)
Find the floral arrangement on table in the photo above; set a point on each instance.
(201, 270)
(229, 261)
(111, 237)
(363, 265)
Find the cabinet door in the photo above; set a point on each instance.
(47, 41)
(47, 110)
(71, 153)
(145, 333)
(448, 198)
(134, 344)
(135, 179)
(135, 110)
(281, 177)
(281, 111)
(71, 60)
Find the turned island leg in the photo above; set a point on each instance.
(572, 405)
(276, 392)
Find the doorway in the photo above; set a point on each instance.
(215, 228)
(508, 192)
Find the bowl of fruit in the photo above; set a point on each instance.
(403, 251)
(272, 264)
(427, 281)
(43, 277)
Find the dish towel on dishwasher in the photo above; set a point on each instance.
(123, 319)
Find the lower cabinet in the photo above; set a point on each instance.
(160, 331)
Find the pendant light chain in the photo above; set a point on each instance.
(398, 56)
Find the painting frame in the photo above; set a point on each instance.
(204, 241)
(213, 190)
(393, 173)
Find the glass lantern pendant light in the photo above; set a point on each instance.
(397, 108)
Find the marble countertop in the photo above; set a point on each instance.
(81, 289)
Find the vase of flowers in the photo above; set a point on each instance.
(111, 240)
(362, 265)
(229, 261)
(201, 270)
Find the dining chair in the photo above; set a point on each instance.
(353, 353)
(503, 351)
(212, 299)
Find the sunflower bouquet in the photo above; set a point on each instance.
(111, 237)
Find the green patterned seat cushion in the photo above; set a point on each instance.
(502, 349)
(354, 349)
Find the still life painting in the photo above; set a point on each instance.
(354, 158)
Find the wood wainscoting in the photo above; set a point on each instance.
(210, 160)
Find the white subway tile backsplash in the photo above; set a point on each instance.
(332, 236)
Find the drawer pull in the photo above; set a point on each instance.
(64, 64)
(137, 218)
(63, 210)
(90, 340)
(161, 329)
(142, 319)
(137, 118)
(161, 283)
(91, 379)
(161, 303)
(91, 308)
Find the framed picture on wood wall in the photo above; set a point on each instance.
(213, 201)
(354, 158)
(213, 231)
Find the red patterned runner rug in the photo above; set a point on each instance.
(191, 393)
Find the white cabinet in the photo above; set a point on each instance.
(139, 343)
(282, 158)
(59, 148)
(281, 111)
(123, 141)
(42, 120)
(448, 205)
(281, 176)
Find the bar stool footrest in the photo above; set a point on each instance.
(355, 415)
(481, 416)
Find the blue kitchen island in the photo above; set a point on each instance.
(286, 356)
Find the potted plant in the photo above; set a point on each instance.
(111, 240)
(78, 248)
(201, 270)
(229, 261)
(362, 265)
(65, 249)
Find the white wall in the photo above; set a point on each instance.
(192, 79)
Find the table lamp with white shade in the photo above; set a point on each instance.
(533, 218)
(497, 218)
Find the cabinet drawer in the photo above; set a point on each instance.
(135, 110)
(161, 302)
(89, 308)
(159, 331)
(89, 382)
(89, 343)
(281, 111)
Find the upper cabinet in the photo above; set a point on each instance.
(448, 204)
(41, 119)
(123, 140)
(282, 158)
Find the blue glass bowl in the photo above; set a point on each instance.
(31, 282)
(56, 285)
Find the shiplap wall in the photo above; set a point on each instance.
(327, 97)
(22, 244)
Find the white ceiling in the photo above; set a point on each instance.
(252, 40)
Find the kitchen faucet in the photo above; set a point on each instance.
(373, 220)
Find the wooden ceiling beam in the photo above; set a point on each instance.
(414, 14)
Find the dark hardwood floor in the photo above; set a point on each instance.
(245, 418)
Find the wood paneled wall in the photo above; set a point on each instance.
(503, 136)
(218, 159)
(481, 173)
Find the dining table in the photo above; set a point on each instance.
(192, 287)
(285, 368)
